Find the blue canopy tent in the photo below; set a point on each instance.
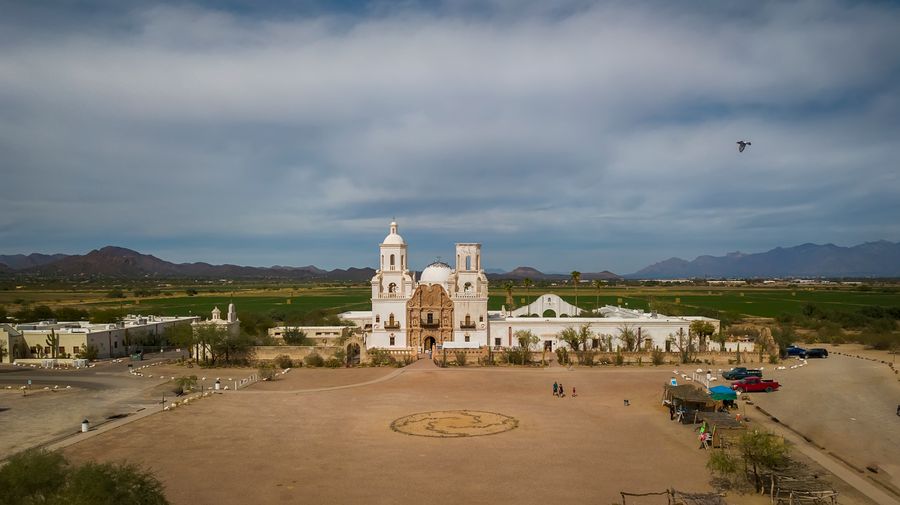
(720, 393)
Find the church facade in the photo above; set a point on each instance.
(446, 307)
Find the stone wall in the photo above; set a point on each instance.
(295, 352)
(476, 356)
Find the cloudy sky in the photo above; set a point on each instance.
(589, 135)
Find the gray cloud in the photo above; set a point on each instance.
(590, 135)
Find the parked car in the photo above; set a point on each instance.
(740, 372)
(755, 384)
(817, 352)
(796, 351)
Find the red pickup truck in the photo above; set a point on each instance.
(753, 384)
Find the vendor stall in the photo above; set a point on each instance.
(687, 400)
(725, 428)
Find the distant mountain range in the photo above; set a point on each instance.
(118, 262)
(21, 261)
(522, 273)
(872, 259)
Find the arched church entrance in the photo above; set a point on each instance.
(429, 343)
(353, 354)
(549, 313)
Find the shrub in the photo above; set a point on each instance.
(38, 476)
(773, 359)
(266, 371)
(183, 384)
(334, 362)
(381, 357)
(657, 357)
(461, 358)
(562, 356)
(314, 360)
(619, 359)
(284, 361)
(514, 355)
(89, 353)
(586, 358)
(31, 476)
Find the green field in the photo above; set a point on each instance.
(745, 302)
(754, 302)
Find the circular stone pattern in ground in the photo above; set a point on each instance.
(454, 424)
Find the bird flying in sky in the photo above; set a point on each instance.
(741, 145)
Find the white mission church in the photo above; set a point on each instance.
(447, 307)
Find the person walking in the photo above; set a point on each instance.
(562, 392)
(574, 394)
(555, 389)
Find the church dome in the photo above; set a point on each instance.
(436, 273)
(393, 237)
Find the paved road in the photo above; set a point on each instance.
(96, 393)
(846, 405)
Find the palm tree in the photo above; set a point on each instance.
(576, 277)
(597, 284)
(509, 297)
(527, 283)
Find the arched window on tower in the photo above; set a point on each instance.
(392, 287)
(377, 318)
(467, 287)
(392, 262)
(468, 262)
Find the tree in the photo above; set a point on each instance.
(628, 337)
(721, 337)
(111, 484)
(182, 335)
(685, 344)
(526, 340)
(576, 339)
(32, 476)
(3, 352)
(88, 352)
(207, 341)
(527, 283)
(71, 314)
(233, 348)
(702, 330)
(106, 316)
(39, 476)
(115, 293)
(295, 336)
(576, 278)
(598, 284)
(757, 451)
(509, 297)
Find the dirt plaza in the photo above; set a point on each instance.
(334, 444)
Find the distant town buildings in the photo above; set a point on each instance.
(70, 338)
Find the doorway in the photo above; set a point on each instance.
(429, 344)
